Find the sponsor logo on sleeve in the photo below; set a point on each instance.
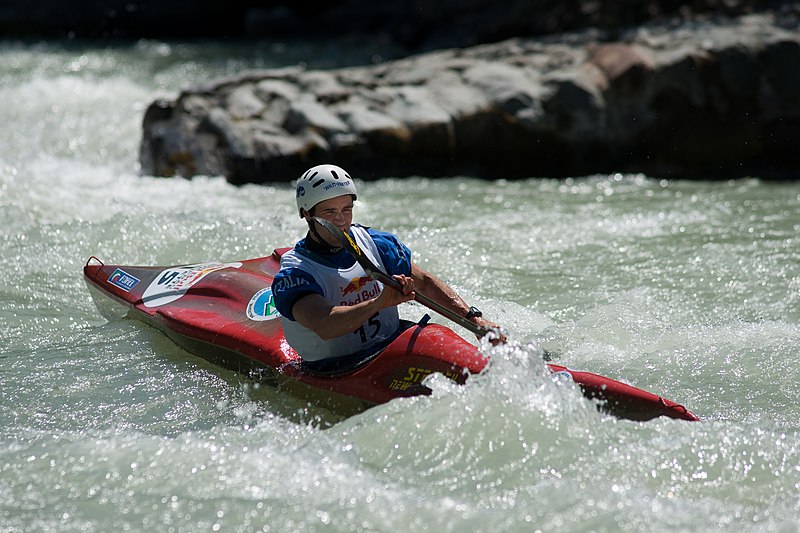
(123, 280)
(290, 282)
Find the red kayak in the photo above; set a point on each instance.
(224, 312)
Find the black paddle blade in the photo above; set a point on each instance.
(349, 244)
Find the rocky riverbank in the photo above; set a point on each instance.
(709, 98)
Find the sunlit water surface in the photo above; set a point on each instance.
(687, 289)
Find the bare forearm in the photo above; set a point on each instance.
(346, 319)
(328, 321)
(438, 291)
(331, 322)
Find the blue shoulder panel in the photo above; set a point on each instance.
(289, 285)
(395, 255)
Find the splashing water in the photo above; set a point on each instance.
(687, 289)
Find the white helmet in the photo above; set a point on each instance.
(321, 183)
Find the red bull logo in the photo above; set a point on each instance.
(355, 285)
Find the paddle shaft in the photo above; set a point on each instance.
(375, 273)
(430, 304)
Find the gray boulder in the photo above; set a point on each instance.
(701, 99)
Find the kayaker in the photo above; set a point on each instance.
(332, 313)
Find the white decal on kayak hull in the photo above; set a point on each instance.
(173, 282)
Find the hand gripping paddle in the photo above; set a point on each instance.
(375, 273)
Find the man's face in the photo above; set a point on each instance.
(338, 211)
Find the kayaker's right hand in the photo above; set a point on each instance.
(390, 297)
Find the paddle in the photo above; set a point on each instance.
(375, 273)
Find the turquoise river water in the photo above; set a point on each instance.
(687, 289)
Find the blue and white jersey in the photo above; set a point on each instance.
(340, 280)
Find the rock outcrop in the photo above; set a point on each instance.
(699, 99)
